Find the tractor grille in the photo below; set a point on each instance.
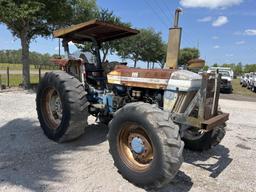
(224, 81)
(185, 98)
(209, 102)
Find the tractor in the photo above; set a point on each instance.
(151, 113)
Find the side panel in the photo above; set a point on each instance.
(143, 78)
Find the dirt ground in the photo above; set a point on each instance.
(31, 162)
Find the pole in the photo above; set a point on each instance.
(39, 73)
(0, 82)
(8, 77)
(59, 47)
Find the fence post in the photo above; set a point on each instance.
(0, 82)
(8, 77)
(39, 73)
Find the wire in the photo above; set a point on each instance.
(162, 10)
(163, 21)
(168, 8)
(156, 13)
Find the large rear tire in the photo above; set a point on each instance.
(201, 141)
(145, 145)
(61, 106)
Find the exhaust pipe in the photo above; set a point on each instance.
(173, 48)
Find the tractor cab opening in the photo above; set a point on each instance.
(96, 32)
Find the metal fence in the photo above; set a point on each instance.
(11, 76)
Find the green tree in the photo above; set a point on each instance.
(187, 54)
(250, 68)
(109, 47)
(146, 46)
(161, 55)
(205, 68)
(152, 48)
(131, 48)
(28, 19)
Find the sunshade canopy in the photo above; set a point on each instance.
(100, 31)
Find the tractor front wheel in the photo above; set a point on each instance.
(197, 140)
(145, 145)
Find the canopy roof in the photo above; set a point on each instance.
(100, 31)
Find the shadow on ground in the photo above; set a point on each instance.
(218, 154)
(29, 159)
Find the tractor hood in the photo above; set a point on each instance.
(184, 80)
(170, 79)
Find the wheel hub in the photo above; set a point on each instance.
(137, 145)
(140, 147)
(53, 108)
(58, 107)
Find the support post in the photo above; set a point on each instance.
(8, 77)
(39, 73)
(0, 82)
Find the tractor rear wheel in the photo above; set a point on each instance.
(145, 145)
(61, 106)
(196, 140)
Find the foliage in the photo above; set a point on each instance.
(81, 11)
(28, 19)
(238, 68)
(152, 51)
(13, 57)
(250, 68)
(205, 68)
(187, 54)
(110, 47)
(162, 55)
(147, 46)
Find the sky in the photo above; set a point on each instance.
(223, 30)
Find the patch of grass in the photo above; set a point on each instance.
(3, 66)
(16, 80)
(239, 90)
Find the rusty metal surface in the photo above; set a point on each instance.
(65, 62)
(143, 78)
(215, 121)
(101, 31)
(196, 63)
(173, 48)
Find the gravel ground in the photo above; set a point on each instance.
(30, 162)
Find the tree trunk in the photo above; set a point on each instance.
(25, 62)
(147, 65)
(153, 66)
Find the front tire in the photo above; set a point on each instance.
(145, 145)
(201, 141)
(61, 106)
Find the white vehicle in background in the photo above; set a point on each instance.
(231, 72)
(253, 82)
(245, 79)
(227, 75)
(250, 80)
